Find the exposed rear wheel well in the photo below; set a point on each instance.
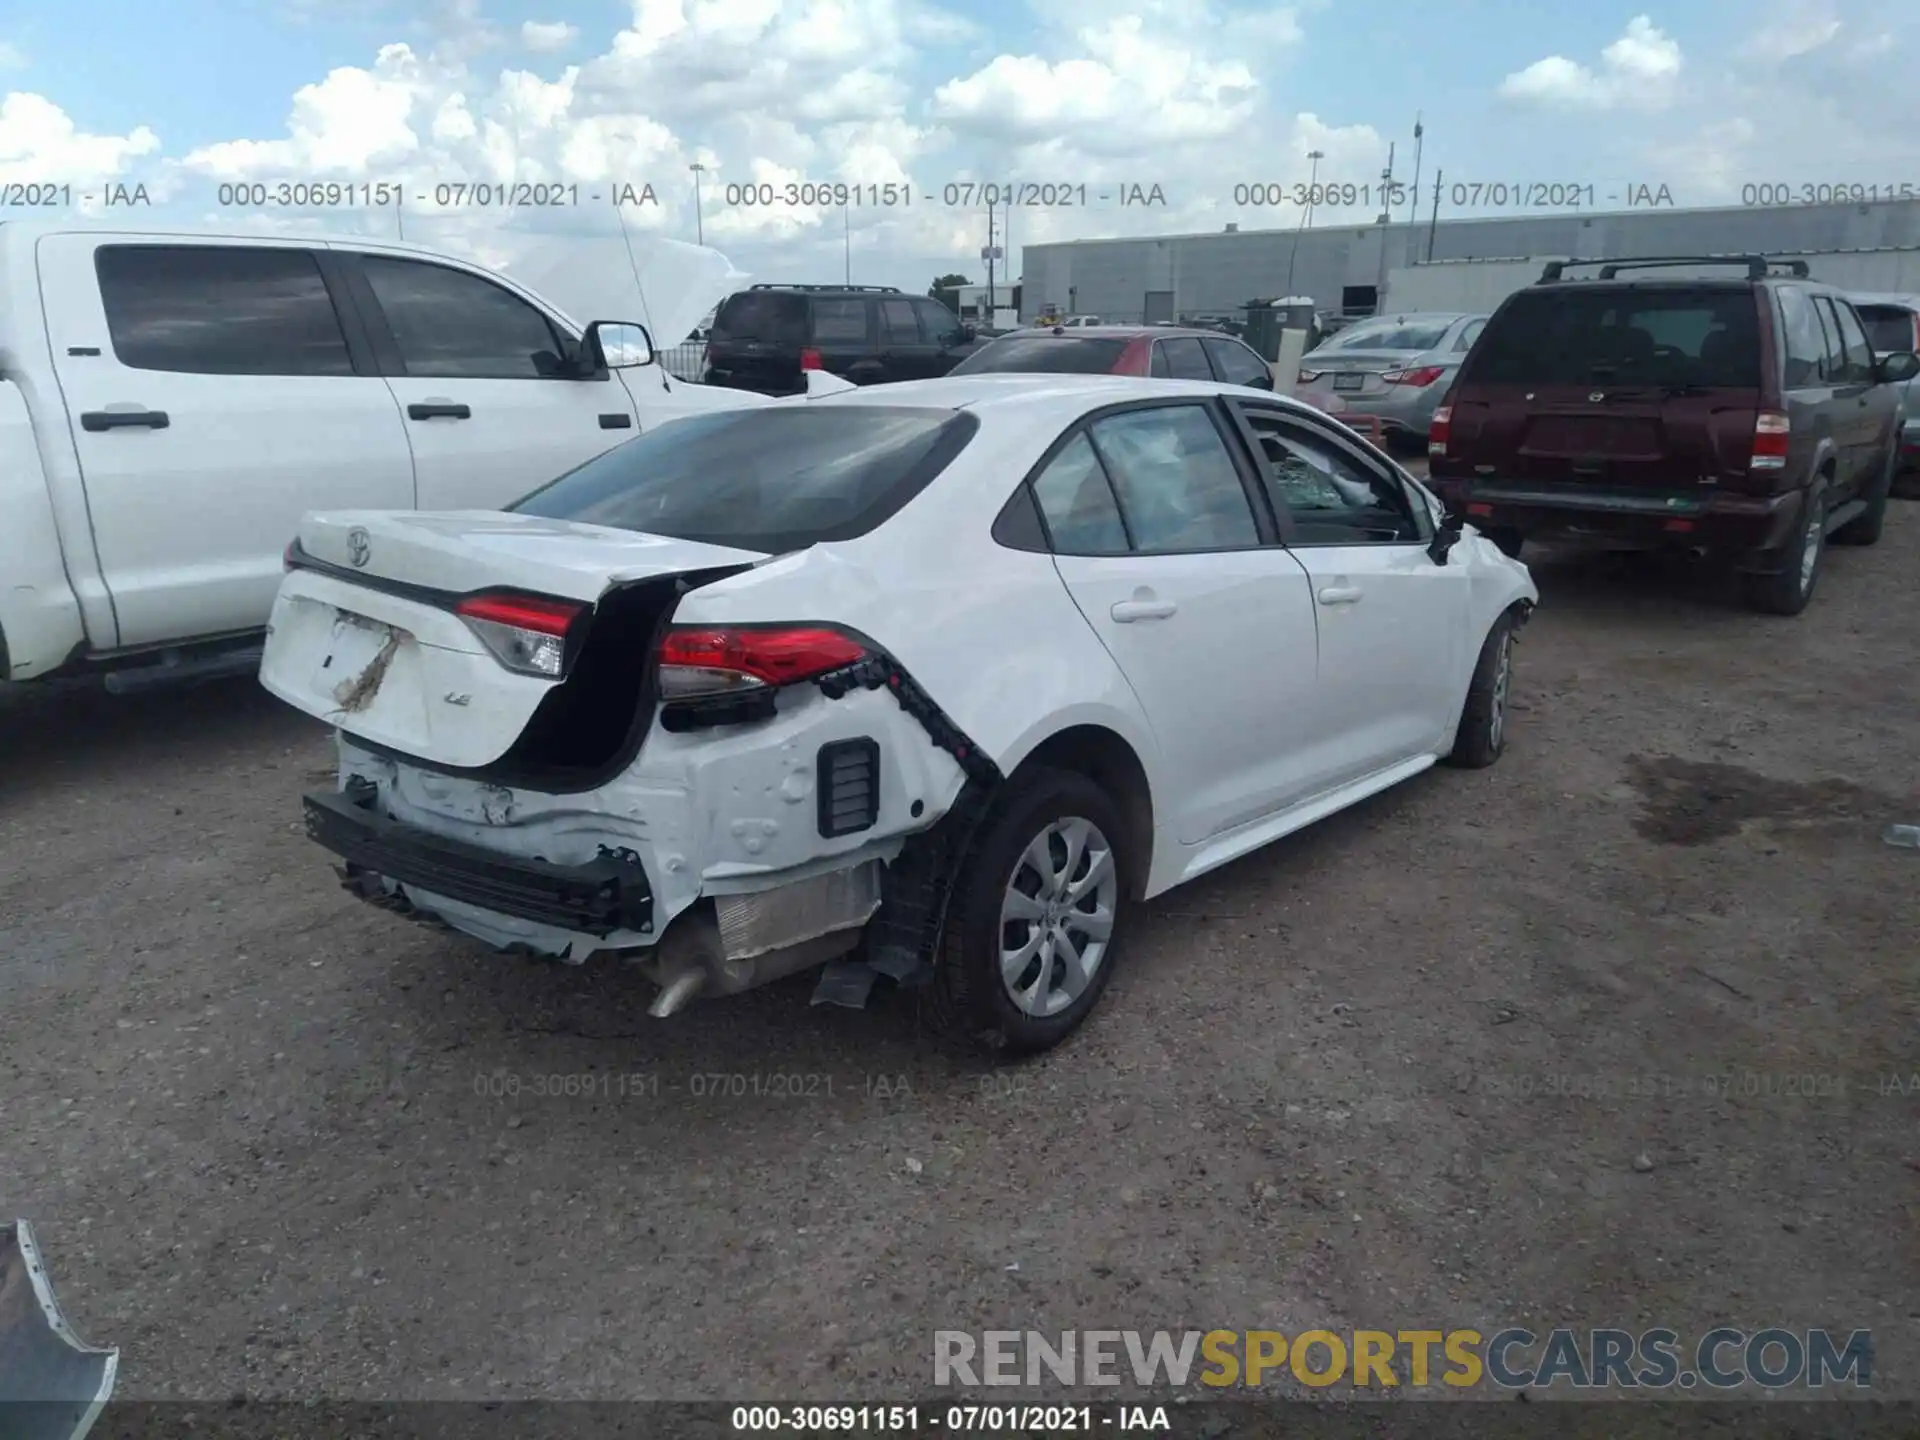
(1109, 761)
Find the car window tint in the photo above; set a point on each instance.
(1185, 359)
(769, 317)
(1390, 335)
(1833, 356)
(1332, 498)
(1081, 514)
(840, 322)
(1859, 354)
(897, 323)
(937, 322)
(220, 310)
(452, 323)
(1552, 335)
(1806, 343)
(1159, 368)
(770, 479)
(1177, 484)
(1236, 364)
(1890, 330)
(1060, 354)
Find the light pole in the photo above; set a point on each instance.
(846, 216)
(1306, 215)
(699, 226)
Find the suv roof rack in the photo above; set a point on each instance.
(841, 289)
(1758, 267)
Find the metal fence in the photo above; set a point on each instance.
(684, 361)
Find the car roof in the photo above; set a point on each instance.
(1024, 391)
(1903, 302)
(1119, 332)
(1398, 316)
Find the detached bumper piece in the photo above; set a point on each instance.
(598, 898)
(52, 1383)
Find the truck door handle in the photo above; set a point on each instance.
(616, 422)
(1340, 594)
(124, 420)
(439, 410)
(1125, 612)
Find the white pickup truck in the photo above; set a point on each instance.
(172, 403)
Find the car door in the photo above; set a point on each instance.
(1810, 350)
(479, 375)
(1869, 409)
(905, 353)
(1235, 364)
(1155, 531)
(1394, 648)
(216, 395)
(944, 332)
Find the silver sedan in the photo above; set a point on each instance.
(1395, 367)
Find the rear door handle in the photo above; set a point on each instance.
(1340, 594)
(439, 410)
(124, 420)
(1125, 612)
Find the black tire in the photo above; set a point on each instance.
(1787, 590)
(969, 998)
(1508, 540)
(1865, 528)
(1481, 736)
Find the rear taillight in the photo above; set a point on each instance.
(1769, 441)
(526, 633)
(1439, 429)
(700, 662)
(1307, 377)
(810, 360)
(1419, 375)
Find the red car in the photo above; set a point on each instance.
(1162, 350)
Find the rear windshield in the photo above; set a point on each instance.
(1390, 335)
(770, 479)
(1666, 337)
(1889, 328)
(1053, 354)
(768, 316)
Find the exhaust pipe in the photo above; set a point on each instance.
(53, 1384)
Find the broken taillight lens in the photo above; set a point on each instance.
(698, 661)
(1419, 375)
(525, 633)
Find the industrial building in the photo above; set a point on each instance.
(1352, 269)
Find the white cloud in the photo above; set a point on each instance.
(40, 142)
(1639, 70)
(341, 127)
(548, 34)
(12, 57)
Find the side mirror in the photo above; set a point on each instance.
(1898, 368)
(1446, 535)
(617, 345)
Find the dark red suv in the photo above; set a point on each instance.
(1747, 416)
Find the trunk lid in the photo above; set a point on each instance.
(1629, 438)
(1354, 372)
(371, 643)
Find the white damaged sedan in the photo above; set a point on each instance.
(931, 681)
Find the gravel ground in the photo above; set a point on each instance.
(279, 1143)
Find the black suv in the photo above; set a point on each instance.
(766, 338)
(1749, 417)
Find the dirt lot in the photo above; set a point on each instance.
(252, 1119)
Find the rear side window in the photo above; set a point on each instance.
(767, 317)
(1890, 329)
(1236, 364)
(840, 322)
(1185, 359)
(1621, 337)
(1856, 354)
(897, 323)
(771, 480)
(1082, 516)
(1051, 354)
(220, 310)
(1806, 339)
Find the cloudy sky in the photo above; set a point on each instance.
(1196, 97)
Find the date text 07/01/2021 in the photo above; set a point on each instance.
(954, 1419)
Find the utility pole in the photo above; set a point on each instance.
(1306, 215)
(1413, 195)
(1386, 220)
(846, 215)
(1434, 224)
(699, 226)
(990, 305)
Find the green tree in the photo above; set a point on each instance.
(946, 290)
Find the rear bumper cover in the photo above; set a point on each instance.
(1750, 524)
(598, 898)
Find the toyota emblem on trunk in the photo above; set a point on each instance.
(359, 547)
